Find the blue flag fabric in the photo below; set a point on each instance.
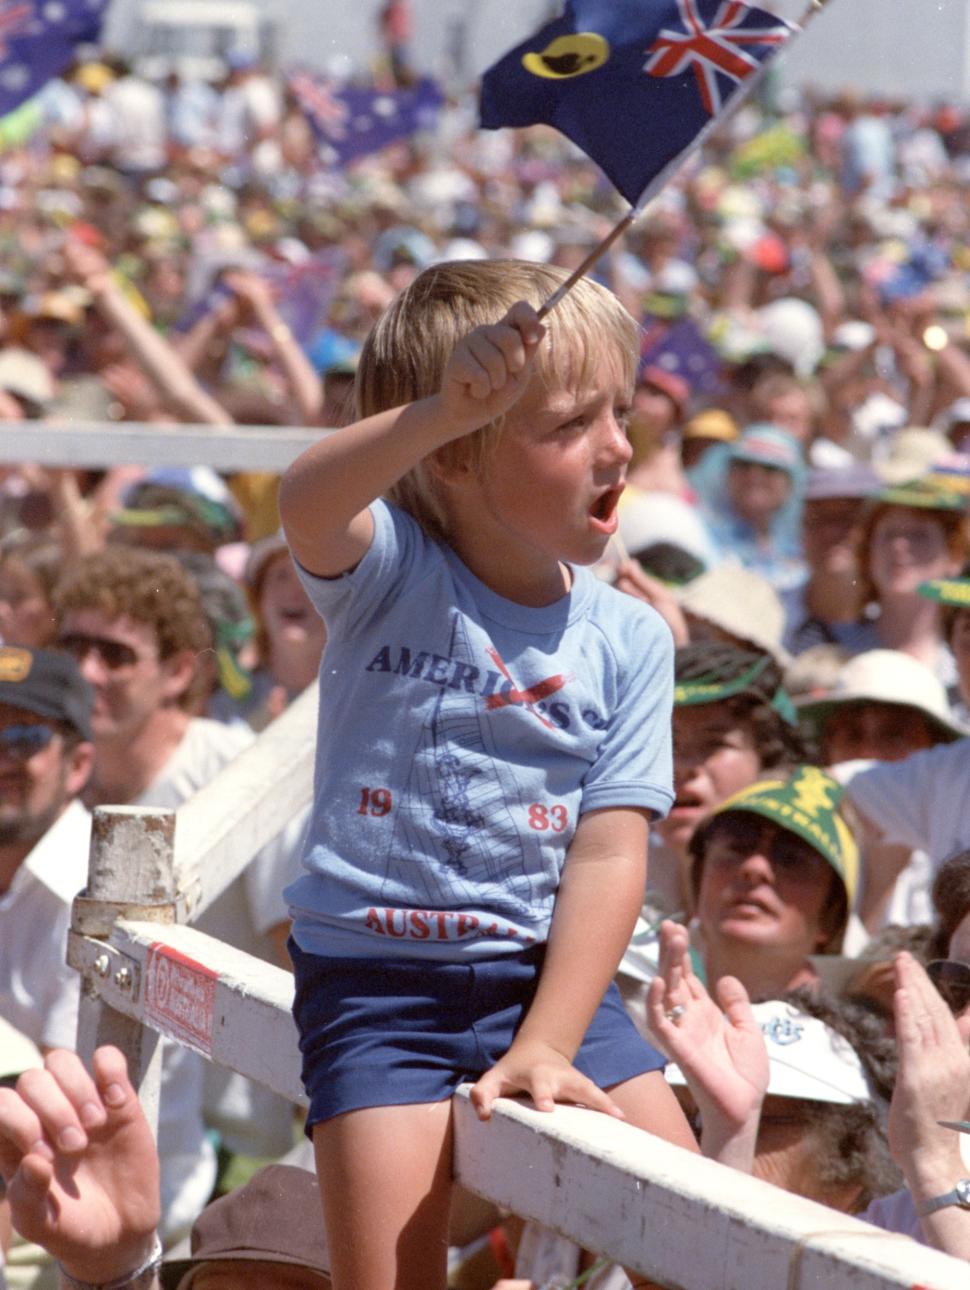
(350, 121)
(38, 39)
(682, 350)
(632, 82)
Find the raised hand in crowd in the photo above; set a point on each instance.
(256, 295)
(80, 1165)
(718, 1046)
(156, 356)
(932, 1084)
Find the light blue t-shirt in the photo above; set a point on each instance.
(461, 736)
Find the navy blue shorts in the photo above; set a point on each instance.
(390, 1032)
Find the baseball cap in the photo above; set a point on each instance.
(190, 497)
(46, 684)
(805, 804)
(793, 329)
(886, 676)
(711, 423)
(647, 517)
(669, 383)
(711, 673)
(273, 1218)
(922, 494)
(808, 1059)
(764, 444)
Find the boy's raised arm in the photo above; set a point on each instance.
(325, 493)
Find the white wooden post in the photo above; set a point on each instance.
(130, 874)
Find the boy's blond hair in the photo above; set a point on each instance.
(405, 355)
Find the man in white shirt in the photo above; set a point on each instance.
(133, 620)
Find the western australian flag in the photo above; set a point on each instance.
(350, 120)
(38, 39)
(635, 83)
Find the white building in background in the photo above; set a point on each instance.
(915, 48)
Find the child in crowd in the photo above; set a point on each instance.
(493, 743)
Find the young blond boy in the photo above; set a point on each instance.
(494, 740)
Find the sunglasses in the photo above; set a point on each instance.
(22, 742)
(740, 836)
(952, 980)
(115, 655)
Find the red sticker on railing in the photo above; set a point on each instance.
(180, 995)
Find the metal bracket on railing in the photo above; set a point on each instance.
(91, 917)
(107, 972)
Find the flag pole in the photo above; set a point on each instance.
(599, 250)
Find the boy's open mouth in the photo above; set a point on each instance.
(603, 509)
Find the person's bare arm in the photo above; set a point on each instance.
(207, 339)
(155, 355)
(326, 492)
(953, 363)
(301, 376)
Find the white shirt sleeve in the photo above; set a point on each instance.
(919, 802)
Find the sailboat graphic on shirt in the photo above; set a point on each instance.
(457, 813)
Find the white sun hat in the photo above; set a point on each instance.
(741, 603)
(885, 676)
(808, 1059)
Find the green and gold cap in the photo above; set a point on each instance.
(805, 804)
(704, 675)
(923, 494)
(947, 591)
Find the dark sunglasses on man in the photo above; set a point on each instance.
(22, 742)
(115, 655)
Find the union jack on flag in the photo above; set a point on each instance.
(635, 83)
(350, 121)
(38, 40)
(712, 51)
(329, 113)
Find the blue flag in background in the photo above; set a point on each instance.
(633, 82)
(38, 39)
(350, 121)
(682, 350)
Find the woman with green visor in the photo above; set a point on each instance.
(732, 722)
(774, 876)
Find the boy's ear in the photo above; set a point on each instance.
(451, 464)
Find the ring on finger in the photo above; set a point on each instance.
(675, 1013)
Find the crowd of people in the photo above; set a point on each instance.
(795, 517)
